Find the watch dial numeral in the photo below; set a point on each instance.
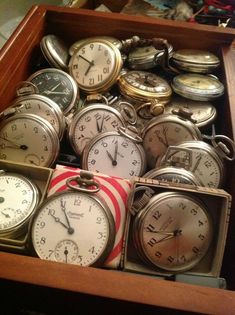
(158, 254)
(43, 240)
(91, 81)
(106, 70)
(100, 235)
(157, 215)
(152, 242)
(14, 127)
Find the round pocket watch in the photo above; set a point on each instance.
(198, 87)
(203, 113)
(95, 65)
(195, 60)
(115, 153)
(146, 57)
(165, 130)
(19, 197)
(74, 226)
(93, 119)
(173, 231)
(43, 107)
(143, 86)
(28, 138)
(55, 51)
(57, 85)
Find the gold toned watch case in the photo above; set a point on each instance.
(143, 86)
(217, 201)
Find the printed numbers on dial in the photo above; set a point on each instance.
(71, 228)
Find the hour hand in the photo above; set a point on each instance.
(114, 162)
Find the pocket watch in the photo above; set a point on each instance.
(58, 85)
(165, 130)
(55, 51)
(143, 86)
(146, 57)
(90, 121)
(115, 153)
(203, 113)
(28, 138)
(74, 226)
(43, 107)
(198, 87)
(173, 231)
(19, 197)
(195, 60)
(95, 65)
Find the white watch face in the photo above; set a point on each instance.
(158, 137)
(91, 121)
(93, 64)
(115, 155)
(71, 228)
(29, 139)
(175, 232)
(39, 105)
(18, 198)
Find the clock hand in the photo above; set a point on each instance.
(165, 238)
(114, 163)
(160, 232)
(47, 92)
(66, 254)
(99, 127)
(5, 214)
(70, 229)
(168, 236)
(165, 137)
(89, 67)
(90, 62)
(57, 219)
(197, 163)
(162, 141)
(116, 152)
(55, 87)
(15, 145)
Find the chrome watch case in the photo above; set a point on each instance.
(214, 204)
(195, 60)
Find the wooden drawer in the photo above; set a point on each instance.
(114, 290)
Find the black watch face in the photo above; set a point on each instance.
(56, 85)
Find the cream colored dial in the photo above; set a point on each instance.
(28, 138)
(18, 200)
(95, 65)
